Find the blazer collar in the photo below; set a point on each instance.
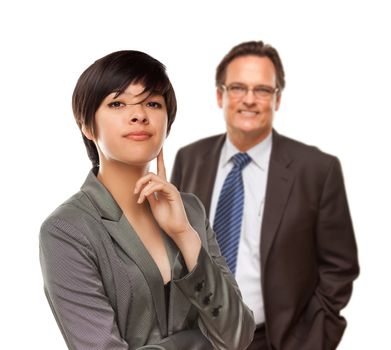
(100, 197)
(126, 237)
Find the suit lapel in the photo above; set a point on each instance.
(207, 172)
(279, 184)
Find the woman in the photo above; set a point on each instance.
(128, 262)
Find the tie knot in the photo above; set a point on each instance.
(241, 160)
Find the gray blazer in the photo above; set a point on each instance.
(106, 292)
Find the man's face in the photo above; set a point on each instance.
(249, 99)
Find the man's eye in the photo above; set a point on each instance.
(263, 91)
(155, 105)
(116, 104)
(237, 88)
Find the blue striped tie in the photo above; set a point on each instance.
(229, 211)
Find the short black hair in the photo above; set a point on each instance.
(114, 73)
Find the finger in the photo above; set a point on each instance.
(149, 190)
(142, 181)
(165, 188)
(161, 169)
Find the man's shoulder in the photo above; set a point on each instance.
(300, 149)
(203, 144)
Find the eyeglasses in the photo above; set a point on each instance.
(238, 91)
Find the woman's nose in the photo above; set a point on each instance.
(139, 119)
(138, 116)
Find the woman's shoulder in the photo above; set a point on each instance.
(195, 211)
(75, 207)
(193, 204)
(76, 214)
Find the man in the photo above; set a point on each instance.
(279, 209)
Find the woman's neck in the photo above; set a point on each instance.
(120, 180)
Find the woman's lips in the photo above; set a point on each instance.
(138, 135)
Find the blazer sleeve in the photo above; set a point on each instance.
(224, 318)
(191, 339)
(337, 253)
(75, 290)
(76, 295)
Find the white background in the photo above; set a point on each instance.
(337, 61)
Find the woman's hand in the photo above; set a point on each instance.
(164, 200)
(168, 210)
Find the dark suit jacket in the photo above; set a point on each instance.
(106, 292)
(308, 249)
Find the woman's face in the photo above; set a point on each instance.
(131, 127)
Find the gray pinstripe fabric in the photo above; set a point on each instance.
(106, 292)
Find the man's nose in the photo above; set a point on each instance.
(249, 97)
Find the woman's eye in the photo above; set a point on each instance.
(116, 104)
(154, 104)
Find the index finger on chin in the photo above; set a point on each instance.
(161, 169)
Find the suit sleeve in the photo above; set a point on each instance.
(337, 253)
(224, 318)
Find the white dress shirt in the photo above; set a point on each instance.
(248, 268)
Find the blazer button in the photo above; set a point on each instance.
(199, 286)
(207, 299)
(216, 311)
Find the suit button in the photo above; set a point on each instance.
(199, 286)
(216, 311)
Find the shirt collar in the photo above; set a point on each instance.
(260, 153)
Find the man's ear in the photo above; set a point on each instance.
(278, 102)
(87, 132)
(219, 97)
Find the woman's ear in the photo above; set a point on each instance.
(87, 132)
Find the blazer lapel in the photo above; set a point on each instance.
(279, 184)
(122, 232)
(207, 172)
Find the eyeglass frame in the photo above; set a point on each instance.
(268, 89)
